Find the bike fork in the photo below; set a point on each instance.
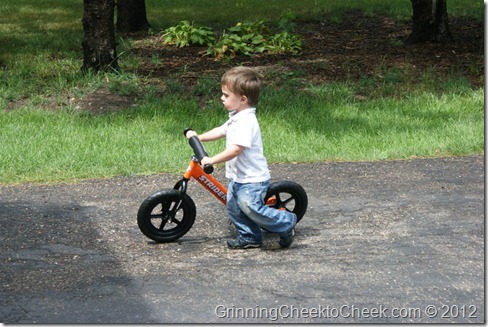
(181, 185)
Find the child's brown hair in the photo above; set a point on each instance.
(243, 81)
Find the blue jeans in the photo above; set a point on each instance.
(248, 213)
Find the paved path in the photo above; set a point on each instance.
(398, 241)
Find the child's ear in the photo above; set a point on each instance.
(243, 98)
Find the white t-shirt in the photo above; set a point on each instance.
(250, 165)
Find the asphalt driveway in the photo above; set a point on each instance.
(394, 241)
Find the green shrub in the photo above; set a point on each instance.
(253, 37)
(245, 38)
(186, 33)
(229, 46)
(241, 39)
(284, 42)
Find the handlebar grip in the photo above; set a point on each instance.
(208, 169)
(200, 152)
(187, 130)
(197, 147)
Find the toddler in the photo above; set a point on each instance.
(245, 165)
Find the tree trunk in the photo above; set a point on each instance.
(99, 47)
(131, 16)
(430, 22)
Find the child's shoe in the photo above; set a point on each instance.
(286, 241)
(240, 244)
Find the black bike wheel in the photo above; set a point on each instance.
(160, 218)
(288, 195)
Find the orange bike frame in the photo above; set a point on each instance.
(209, 183)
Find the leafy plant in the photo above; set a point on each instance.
(241, 39)
(284, 42)
(229, 46)
(244, 38)
(186, 33)
(253, 37)
(249, 28)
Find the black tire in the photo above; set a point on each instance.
(289, 195)
(157, 219)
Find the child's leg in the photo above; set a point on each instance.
(250, 199)
(247, 230)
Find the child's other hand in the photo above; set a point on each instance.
(191, 133)
(206, 161)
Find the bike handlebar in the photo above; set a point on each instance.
(200, 152)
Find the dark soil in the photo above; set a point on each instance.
(359, 46)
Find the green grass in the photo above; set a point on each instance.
(40, 69)
(217, 11)
(424, 125)
(52, 146)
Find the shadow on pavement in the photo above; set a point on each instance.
(396, 241)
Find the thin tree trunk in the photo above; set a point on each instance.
(430, 22)
(99, 47)
(131, 16)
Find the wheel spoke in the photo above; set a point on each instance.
(165, 215)
(285, 202)
(163, 224)
(176, 221)
(165, 206)
(158, 216)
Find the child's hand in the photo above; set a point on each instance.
(206, 161)
(191, 133)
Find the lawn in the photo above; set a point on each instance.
(355, 92)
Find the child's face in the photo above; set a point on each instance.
(233, 101)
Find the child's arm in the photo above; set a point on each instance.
(215, 134)
(226, 155)
(211, 135)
